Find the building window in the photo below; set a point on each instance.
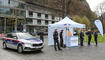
(39, 21)
(6, 11)
(30, 13)
(23, 13)
(53, 17)
(46, 16)
(53, 22)
(21, 5)
(9, 11)
(14, 4)
(4, 2)
(8, 1)
(29, 21)
(16, 12)
(46, 22)
(39, 15)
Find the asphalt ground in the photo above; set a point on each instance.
(48, 53)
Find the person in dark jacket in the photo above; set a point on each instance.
(41, 35)
(89, 33)
(95, 37)
(56, 42)
(81, 38)
(61, 39)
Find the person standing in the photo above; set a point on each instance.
(56, 42)
(81, 38)
(68, 35)
(96, 37)
(61, 39)
(89, 33)
(41, 35)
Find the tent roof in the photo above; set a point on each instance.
(69, 22)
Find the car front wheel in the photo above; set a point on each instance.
(20, 49)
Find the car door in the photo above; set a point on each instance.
(8, 40)
(11, 40)
(14, 41)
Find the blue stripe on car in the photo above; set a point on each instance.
(33, 39)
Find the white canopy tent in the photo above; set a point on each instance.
(62, 25)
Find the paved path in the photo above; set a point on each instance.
(48, 53)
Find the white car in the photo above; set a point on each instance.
(22, 42)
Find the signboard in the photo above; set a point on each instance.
(99, 26)
(73, 41)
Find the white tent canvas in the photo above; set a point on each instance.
(68, 21)
(62, 25)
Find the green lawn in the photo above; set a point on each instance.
(100, 39)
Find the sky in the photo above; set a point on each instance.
(94, 3)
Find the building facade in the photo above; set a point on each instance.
(15, 13)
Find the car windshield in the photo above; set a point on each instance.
(24, 36)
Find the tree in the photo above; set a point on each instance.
(93, 17)
(85, 21)
(77, 19)
(100, 10)
(61, 5)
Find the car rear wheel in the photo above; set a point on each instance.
(4, 45)
(20, 49)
